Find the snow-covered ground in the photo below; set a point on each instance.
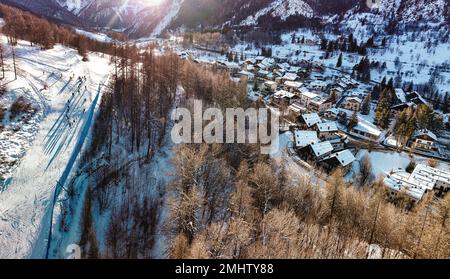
(60, 130)
(385, 162)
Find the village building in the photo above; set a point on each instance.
(289, 77)
(416, 98)
(245, 74)
(232, 67)
(423, 139)
(326, 130)
(293, 86)
(283, 98)
(422, 180)
(296, 108)
(319, 104)
(400, 96)
(309, 120)
(366, 130)
(305, 138)
(316, 151)
(342, 159)
(307, 97)
(270, 86)
(318, 85)
(331, 114)
(338, 143)
(352, 103)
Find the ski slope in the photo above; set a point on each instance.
(67, 109)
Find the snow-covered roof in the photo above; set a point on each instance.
(427, 133)
(310, 95)
(230, 65)
(293, 84)
(305, 138)
(294, 69)
(322, 148)
(263, 72)
(297, 107)
(416, 184)
(311, 119)
(353, 99)
(401, 95)
(290, 76)
(344, 157)
(246, 73)
(327, 127)
(367, 127)
(283, 94)
(318, 83)
(270, 82)
(284, 66)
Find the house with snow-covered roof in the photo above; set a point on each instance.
(400, 96)
(343, 159)
(292, 85)
(423, 139)
(309, 120)
(319, 104)
(352, 103)
(289, 77)
(305, 138)
(316, 151)
(326, 130)
(422, 180)
(366, 130)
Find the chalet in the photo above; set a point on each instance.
(245, 74)
(307, 97)
(259, 59)
(305, 138)
(415, 98)
(316, 151)
(318, 85)
(262, 74)
(366, 130)
(319, 104)
(396, 109)
(283, 98)
(289, 77)
(292, 85)
(423, 139)
(294, 69)
(326, 130)
(296, 108)
(331, 114)
(232, 67)
(352, 103)
(343, 159)
(338, 143)
(270, 86)
(400, 96)
(309, 120)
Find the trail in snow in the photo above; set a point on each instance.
(62, 181)
(25, 204)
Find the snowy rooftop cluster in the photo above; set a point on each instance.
(423, 179)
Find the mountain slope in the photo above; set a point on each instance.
(138, 18)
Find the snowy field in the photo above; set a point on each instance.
(385, 162)
(52, 143)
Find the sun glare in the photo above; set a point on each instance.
(153, 2)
